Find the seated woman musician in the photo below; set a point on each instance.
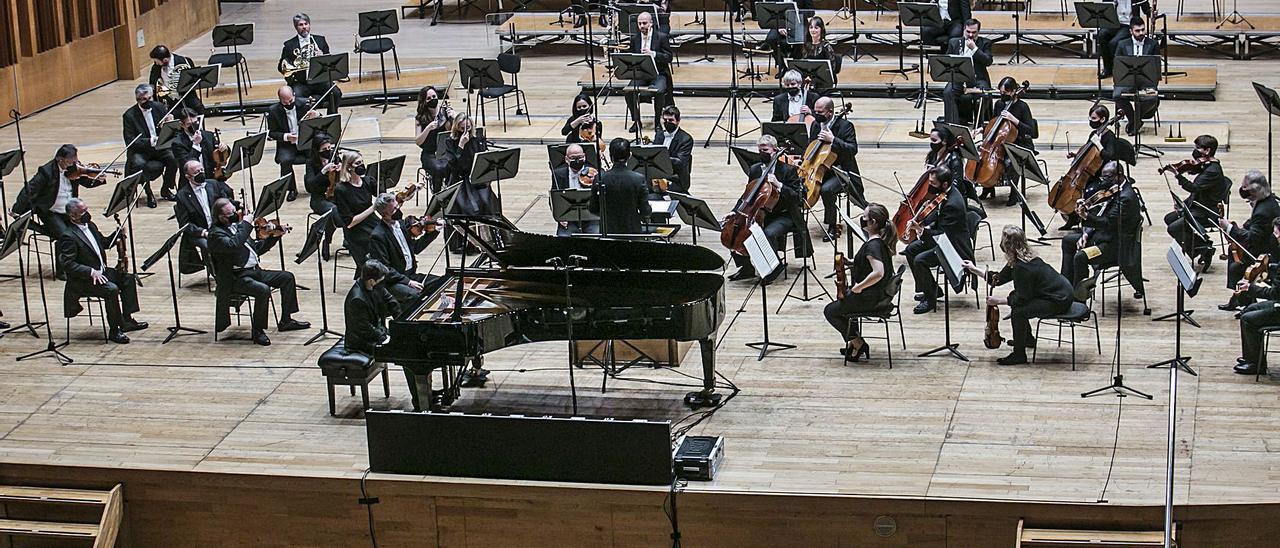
(1012, 107)
(1039, 291)
(582, 126)
(870, 274)
(816, 47)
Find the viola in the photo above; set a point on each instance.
(1190, 166)
(988, 169)
(221, 155)
(421, 225)
(914, 227)
(122, 253)
(818, 158)
(842, 278)
(993, 339)
(758, 199)
(1066, 193)
(1256, 272)
(403, 196)
(270, 229)
(588, 177)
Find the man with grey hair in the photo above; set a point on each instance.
(194, 212)
(794, 99)
(392, 243)
(51, 189)
(1256, 235)
(82, 256)
(142, 134)
(305, 45)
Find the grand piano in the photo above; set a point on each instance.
(515, 293)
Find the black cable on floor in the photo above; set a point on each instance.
(368, 503)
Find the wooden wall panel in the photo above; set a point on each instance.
(54, 75)
(172, 23)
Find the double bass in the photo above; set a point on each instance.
(818, 158)
(1084, 166)
(758, 199)
(988, 169)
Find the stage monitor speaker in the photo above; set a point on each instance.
(517, 447)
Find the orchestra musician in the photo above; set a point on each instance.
(944, 150)
(816, 47)
(1138, 43)
(679, 146)
(393, 245)
(1262, 314)
(194, 143)
(569, 176)
(954, 14)
(460, 151)
(142, 122)
(839, 133)
(317, 185)
(958, 106)
(82, 258)
(785, 218)
(776, 40)
(651, 41)
(870, 274)
(1109, 39)
(237, 269)
(297, 53)
(194, 210)
(950, 218)
(52, 188)
(1255, 236)
(431, 120)
(1013, 108)
(366, 309)
(794, 100)
(166, 67)
(580, 117)
(1110, 146)
(353, 196)
(1100, 243)
(619, 195)
(282, 127)
(1039, 291)
(1209, 189)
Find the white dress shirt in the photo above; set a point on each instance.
(151, 124)
(253, 254)
(794, 104)
(292, 115)
(203, 198)
(1124, 11)
(404, 245)
(93, 242)
(946, 12)
(64, 194)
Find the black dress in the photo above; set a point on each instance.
(852, 304)
(437, 167)
(470, 199)
(1039, 291)
(351, 201)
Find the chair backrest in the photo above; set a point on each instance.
(894, 288)
(509, 63)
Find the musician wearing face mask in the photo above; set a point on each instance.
(794, 100)
(839, 133)
(1110, 147)
(460, 151)
(679, 146)
(654, 42)
(141, 124)
(237, 269)
(950, 218)
(317, 184)
(581, 119)
(194, 210)
(785, 218)
(306, 45)
(1011, 107)
(1255, 235)
(166, 67)
(52, 188)
(1208, 191)
(1260, 315)
(570, 176)
(944, 150)
(1108, 227)
(958, 106)
(197, 144)
(869, 272)
(282, 127)
(353, 197)
(82, 257)
(1039, 291)
(431, 121)
(392, 243)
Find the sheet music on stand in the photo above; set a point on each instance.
(761, 252)
(950, 261)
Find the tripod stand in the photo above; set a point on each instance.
(1018, 57)
(1235, 17)
(731, 104)
(806, 273)
(13, 236)
(53, 349)
(1117, 386)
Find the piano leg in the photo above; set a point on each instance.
(707, 397)
(419, 386)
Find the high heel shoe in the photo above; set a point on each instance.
(853, 352)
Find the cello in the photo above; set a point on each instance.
(1084, 166)
(759, 198)
(818, 158)
(988, 169)
(913, 201)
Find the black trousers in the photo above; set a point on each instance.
(1146, 108)
(52, 224)
(258, 283)
(1020, 317)
(320, 206)
(776, 229)
(939, 36)
(154, 163)
(1254, 317)
(1076, 263)
(119, 295)
(437, 168)
(193, 254)
(839, 312)
(923, 258)
(957, 106)
(303, 89)
(831, 190)
(288, 155)
(1108, 43)
(1186, 237)
(662, 97)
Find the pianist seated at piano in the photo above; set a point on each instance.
(392, 243)
(367, 308)
(620, 196)
(574, 174)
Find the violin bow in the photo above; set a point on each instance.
(1226, 233)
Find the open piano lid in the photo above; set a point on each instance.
(511, 247)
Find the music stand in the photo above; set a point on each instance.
(571, 206)
(627, 14)
(556, 154)
(1096, 16)
(764, 259)
(273, 196)
(329, 69)
(379, 24)
(949, 260)
(165, 250)
(441, 202)
(9, 160)
(386, 173)
(477, 74)
(652, 161)
(330, 124)
(14, 234)
(1270, 102)
(122, 196)
(817, 70)
(233, 36)
(492, 166)
(246, 152)
(314, 237)
(168, 134)
(1199, 234)
(1025, 165)
(695, 212)
(636, 67)
(773, 16)
(919, 15)
(1138, 72)
(745, 157)
(968, 150)
(949, 69)
(1188, 286)
(794, 133)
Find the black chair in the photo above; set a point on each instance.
(508, 63)
(88, 303)
(237, 303)
(375, 46)
(885, 313)
(342, 367)
(1078, 316)
(237, 60)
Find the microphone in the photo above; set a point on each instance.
(555, 261)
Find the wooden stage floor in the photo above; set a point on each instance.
(804, 422)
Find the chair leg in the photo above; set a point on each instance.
(1073, 346)
(352, 388)
(333, 411)
(1037, 337)
(1097, 334)
(360, 67)
(396, 59)
(888, 343)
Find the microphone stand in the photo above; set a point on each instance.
(559, 264)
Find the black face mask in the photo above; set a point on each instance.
(822, 118)
(669, 127)
(1095, 124)
(198, 176)
(577, 165)
(290, 106)
(793, 91)
(361, 170)
(85, 218)
(935, 146)
(581, 111)
(1244, 193)
(1195, 154)
(863, 222)
(433, 103)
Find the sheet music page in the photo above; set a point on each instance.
(763, 257)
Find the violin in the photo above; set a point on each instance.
(1190, 166)
(1066, 193)
(758, 199)
(270, 229)
(403, 196)
(78, 170)
(993, 339)
(818, 158)
(914, 228)
(988, 169)
(421, 225)
(221, 155)
(1100, 197)
(1257, 272)
(587, 177)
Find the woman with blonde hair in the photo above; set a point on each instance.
(1039, 291)
(354, 198)
(870, 272)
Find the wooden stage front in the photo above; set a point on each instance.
(228, 443)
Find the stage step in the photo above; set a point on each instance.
(1035, 537)
(47, 529)
(103, 532)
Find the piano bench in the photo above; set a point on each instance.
(351, 369)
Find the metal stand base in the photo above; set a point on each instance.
(1117, 386)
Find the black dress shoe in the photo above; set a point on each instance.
(634, 128)
(291, 196)
(4, 325)
(151, 203)
(1012, 201)
(474, 378)
(744, 273)
(919, 297)
(325, 254)
(1248, 369)
(1018, 357)
(117, 336)
(260, 338)
(1228, 307)
(131, 326)
(290, 324)
(925, 307)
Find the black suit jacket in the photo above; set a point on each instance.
(154, 77)
(780, 110)
(286, 53)
(1120, 218)
(366, 312)
(77, 260)
(951, 219)
(625, 200)
(1256, 233)
(791, 197)
(135, 125)
(229, 253)
(661, 47)
(187, 208)
(384, 248)
(184, 150)
(845, 143)
(278, 124)
(681, 157)
(958, 10)
(1209, 188)
(981, 57)
(42, 190)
